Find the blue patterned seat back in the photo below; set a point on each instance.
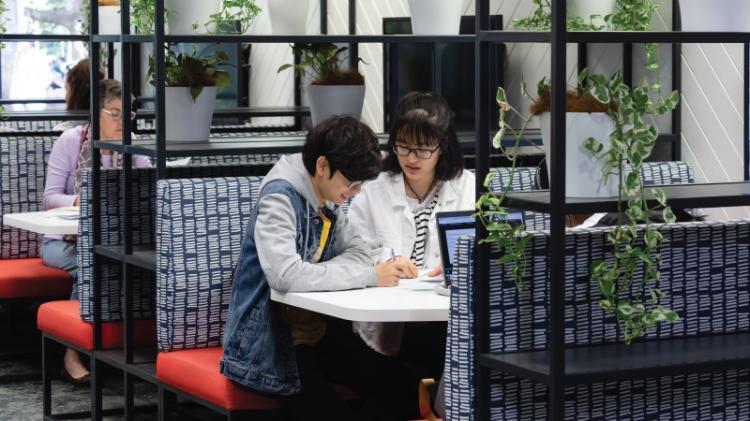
(143, 228)
(524, 179)
(112, 220)
(200, 225)
(30, 126)
(23, 169)
(710, 294)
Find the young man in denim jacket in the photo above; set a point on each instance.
(298, 240)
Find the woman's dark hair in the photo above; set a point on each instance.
(426, 119)
(349, 145)
(77, 82)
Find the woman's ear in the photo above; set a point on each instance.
(321, 167)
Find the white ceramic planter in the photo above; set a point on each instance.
(715, 15)
(329, 100)
(586, 8)
(435, 17)
(109, 20)
(288, 17)
(184, 13)
(583, 174)
(185, 120)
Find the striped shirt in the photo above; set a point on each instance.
(422, 221)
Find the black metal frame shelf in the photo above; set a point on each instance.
(287, 39)
(143, 256)
(142, 366)
(654, 358)
(618, 37)
(559, 366)
(42, 37)
(684, 196)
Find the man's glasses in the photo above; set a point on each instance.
(418, 152)
(116, 114)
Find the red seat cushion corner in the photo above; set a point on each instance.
(196, 372)
(29, 278)
(62, 320)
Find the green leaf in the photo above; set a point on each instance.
(659, 195)
(668, 215)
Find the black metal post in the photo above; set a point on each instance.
(46, 376)
(353, 47)
(746, 93)
(582, 56)
(160, 108)
(556, 403)
(323, 17)
(677, 84)
(627, 64)
(437, 67)
(482, 152)
(96, 389)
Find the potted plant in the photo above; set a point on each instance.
(585, 118)
(333, 90)
(715, 15)
(190, 93)
(143, 16)
(435, 17)
(211, 16)
(288, 16)
(583, 15)
(633, 300)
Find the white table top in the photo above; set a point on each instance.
(411, 302)
(55, 221)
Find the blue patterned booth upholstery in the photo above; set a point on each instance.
(23, 170)
(710, 294)
(143, 209)
(200, 224)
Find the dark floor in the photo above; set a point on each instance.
(21, 391)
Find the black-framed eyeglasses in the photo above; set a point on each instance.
(116, 114)
(420, 153)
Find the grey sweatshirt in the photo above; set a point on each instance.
(276, 233)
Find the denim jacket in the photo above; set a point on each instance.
(258, 350)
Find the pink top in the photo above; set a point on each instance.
(59, 189)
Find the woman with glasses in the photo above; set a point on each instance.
(70, 155)
(424, 175)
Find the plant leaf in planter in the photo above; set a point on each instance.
(192, 71)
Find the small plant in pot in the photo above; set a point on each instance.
(333, 90)
(190, 93)
(586, 118)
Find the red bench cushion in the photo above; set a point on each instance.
(61, 319)
(28, 278)
(196, 372)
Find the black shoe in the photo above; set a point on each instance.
(83, 381)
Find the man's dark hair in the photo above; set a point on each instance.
(349, 145)
(424, 119)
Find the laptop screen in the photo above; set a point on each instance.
(452, 225)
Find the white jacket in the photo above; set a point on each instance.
(381, 213)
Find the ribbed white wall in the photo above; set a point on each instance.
(712, 135)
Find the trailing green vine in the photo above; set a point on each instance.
(541, 20)
(510, 239)
(634, 302)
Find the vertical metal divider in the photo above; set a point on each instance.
(96, 388)
(746, 111)
(323, 17)
(582, 56)
(126, 234)
(677, 85)
(482, 152)
(110, 60)
(556, 407)
(159, 106)
(297, 95)
(627, 64)
(437, 67)
(353, 47)
(393, 50)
